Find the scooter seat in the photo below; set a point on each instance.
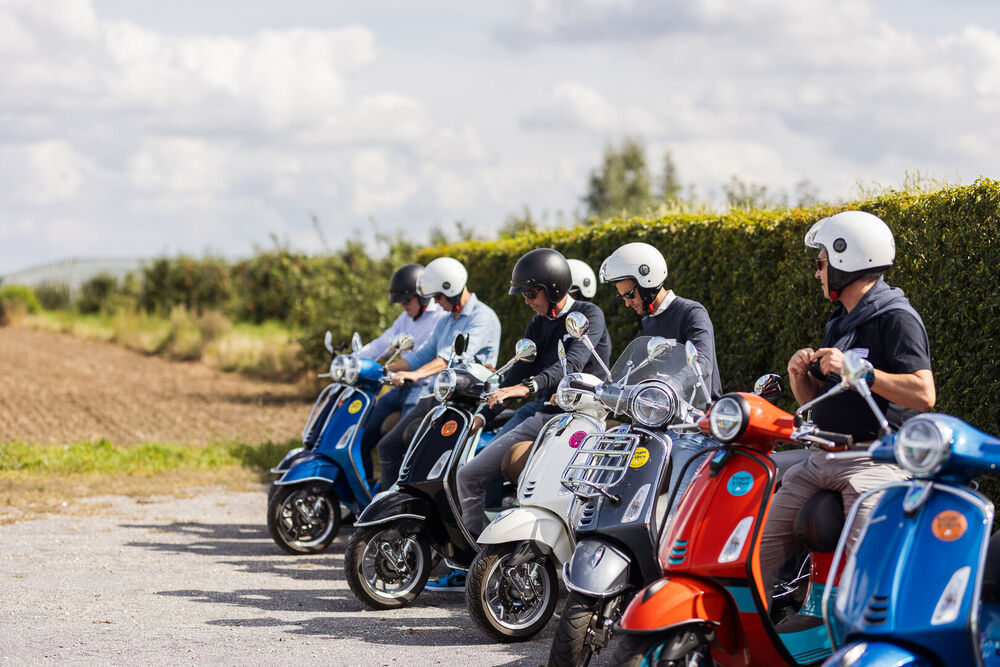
(818, 524)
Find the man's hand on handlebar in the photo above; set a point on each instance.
(500, 395)
(399, 378)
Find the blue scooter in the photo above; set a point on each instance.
(923, 584)
(303, 509)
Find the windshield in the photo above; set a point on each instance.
(670, 366)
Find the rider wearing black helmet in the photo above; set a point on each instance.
(542, 277)
(418, 319)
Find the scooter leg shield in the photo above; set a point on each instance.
(673, 602)
(393, 506)
(598, 569)
(876, 654)
(530, 523)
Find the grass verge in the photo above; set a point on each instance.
(41, 479)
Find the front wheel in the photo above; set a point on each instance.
(303, 519)
(386, 565)
(570, 646)
(510, 602)
(677, 649)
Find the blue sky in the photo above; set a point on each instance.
(137, 128)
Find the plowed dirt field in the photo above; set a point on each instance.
(57, 388)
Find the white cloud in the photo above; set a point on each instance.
(573, 106)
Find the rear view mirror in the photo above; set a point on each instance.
(403, 342)
(656, 346)
(461, 344)
(855, 368)
(328, 341)
(768, 386)
(577, 325)
(562, 356)
(356, 342)
(525, 350)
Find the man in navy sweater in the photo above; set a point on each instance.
(543, 278)
(638, 271)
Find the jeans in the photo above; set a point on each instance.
(392, 448)
(486, 467)
(522, 413)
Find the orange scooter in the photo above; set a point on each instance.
(710, 607)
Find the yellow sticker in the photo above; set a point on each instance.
(640, 457)
(354, 407)
(949, 525)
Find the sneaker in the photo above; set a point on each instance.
(449, 581)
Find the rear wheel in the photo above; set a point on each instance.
(510, 602)
(386, 565)
(303, 519)
(570, 646)
(676, 649)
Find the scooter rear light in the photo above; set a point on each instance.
(950, 602)
(734, 545)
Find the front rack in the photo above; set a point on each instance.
(600, 462)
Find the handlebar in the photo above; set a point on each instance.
(839, 439)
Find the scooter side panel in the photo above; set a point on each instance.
(341, 441)
(540, 483)
(680, 600)
(902, 563)
(530, 523)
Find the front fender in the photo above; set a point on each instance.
(291, 457)
(674, 602)
(530, 523)
(392, 505)
(875, 654)
(597, 569)
(311, 468)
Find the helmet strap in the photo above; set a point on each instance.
(456, 302)
(648, 296)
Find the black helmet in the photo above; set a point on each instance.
(542, 268)
(403, 285)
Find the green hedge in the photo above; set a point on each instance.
(753, 273)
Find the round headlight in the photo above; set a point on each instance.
(444, 384)
(352, 369)
(727, 420)
(566, 398)
(653, 405)
(922, 445)
(337, 369)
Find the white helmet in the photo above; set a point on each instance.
(857, 243)
(584, 280)
(444, 275)
(642, 263)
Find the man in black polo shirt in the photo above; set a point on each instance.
(543, 278)
(879, 323)
(638, 271)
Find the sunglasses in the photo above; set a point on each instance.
(821, 262)
(530, 294)
(629, 294)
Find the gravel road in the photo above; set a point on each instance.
(198, 580)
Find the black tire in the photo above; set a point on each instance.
(487, 586)
(633, 650)
(303, 518)
(569, 647)
(387, 580)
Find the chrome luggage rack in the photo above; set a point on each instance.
(600, 462)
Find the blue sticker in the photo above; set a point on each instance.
(740, 484)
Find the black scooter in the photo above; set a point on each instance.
(388, 557)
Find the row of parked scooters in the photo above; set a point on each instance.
(675, 580)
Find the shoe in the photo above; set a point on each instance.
(450, 581)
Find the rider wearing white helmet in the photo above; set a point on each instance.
(638, 271)
(444, 281)
(877, 321)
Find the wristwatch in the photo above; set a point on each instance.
(530, 384)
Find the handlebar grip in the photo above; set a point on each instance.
(841, 439)
(581, 385)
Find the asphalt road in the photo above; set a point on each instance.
(198, 580)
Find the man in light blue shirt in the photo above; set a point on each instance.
(419, 318)
(444, 280)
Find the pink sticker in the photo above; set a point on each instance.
(577, 438)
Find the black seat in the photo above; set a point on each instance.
(818, 524)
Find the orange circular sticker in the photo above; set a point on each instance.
(949, 525)
(449, 427)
